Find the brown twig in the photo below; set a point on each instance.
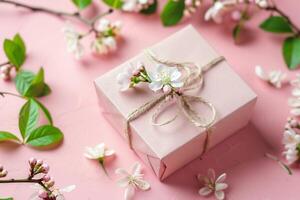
(11, 94)
(38, 181)
(5, 63)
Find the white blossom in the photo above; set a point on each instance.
(124, 78)
(58, 193)
(274, 77)
(262, 3)
(73, 41)
(136, 5)
(164, 77)
(213, 185)
(291, 142)
(215, 12)
(104, 45)
(132, 181)
(98, 152)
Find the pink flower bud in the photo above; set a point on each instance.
(236, 15)
(45, 168)
(46, 178)
(39, 162)
(32, 162)
(43, 194)
(3, 173)
(5, 77)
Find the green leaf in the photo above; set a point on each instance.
(276, 24)
(10, 198)
(44, 136)
(114, 3)
(81, 4)
(291, 52)
(28, 117)
(45, 111)
(151, 9)
(172, 12)
(14, 53)
(19, 41)
(30, 85)
(6, 136)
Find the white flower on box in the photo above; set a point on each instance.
(274, 77)
(132, 181)
(213, 185)
(73, 41)
(165, 78)
(124, 78)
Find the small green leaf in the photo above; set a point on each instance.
(30, 85)
(291, 52)
(81, 4)
(37, 86)
(114, 3)
(6, 136)
(172, 12)
(44, 136)
(19, 41)
(151, 9)
(14, 53)
(28, 117)
(276, 24)
(45, 111)
(10, 198)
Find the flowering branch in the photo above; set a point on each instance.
(46, 183)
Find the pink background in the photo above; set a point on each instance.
(74, 107)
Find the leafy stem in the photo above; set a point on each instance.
(275, 9)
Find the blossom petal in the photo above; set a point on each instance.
(220, 186)
(294, 102)
(221, 178)
(205, 191)
(109, 152)
(136, 168)
(123, 182)
(220, 195)
(177, 84)
(143, 185)
(175, 74)
(260, 73)
(90, 153)
(295, 111)
(69, 188)
(155, 86)
(122, 171)
(129, 192)
(296, 92)
(211, 174)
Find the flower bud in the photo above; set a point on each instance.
(3, 173)
(32, 162)
(43, 194)
(1, 168)
(4, 69)
(51, 182)
(46, 178)
(236, 15)
(45, 168)
(5, 77)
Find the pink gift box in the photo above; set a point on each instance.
(167, 148)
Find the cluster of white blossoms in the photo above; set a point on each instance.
(275, 78)
(163, 77)
(291, 141)
(136, 5)
(191, 7)
(294, 102)
(219, 8)
(106, 34)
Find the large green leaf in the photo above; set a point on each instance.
(276, 24)
(151, 9)
(45, 111)
(44, 136)
(7, 136)
(81, 4)
(291, 52)
(30, 85)
(14, 53)
(28, 117)
(114, 3)
(172, 12)
(19, 41)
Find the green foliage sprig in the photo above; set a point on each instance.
(30, 86)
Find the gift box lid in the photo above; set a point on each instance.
(223, 88)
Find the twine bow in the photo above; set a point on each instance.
(194, 79)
